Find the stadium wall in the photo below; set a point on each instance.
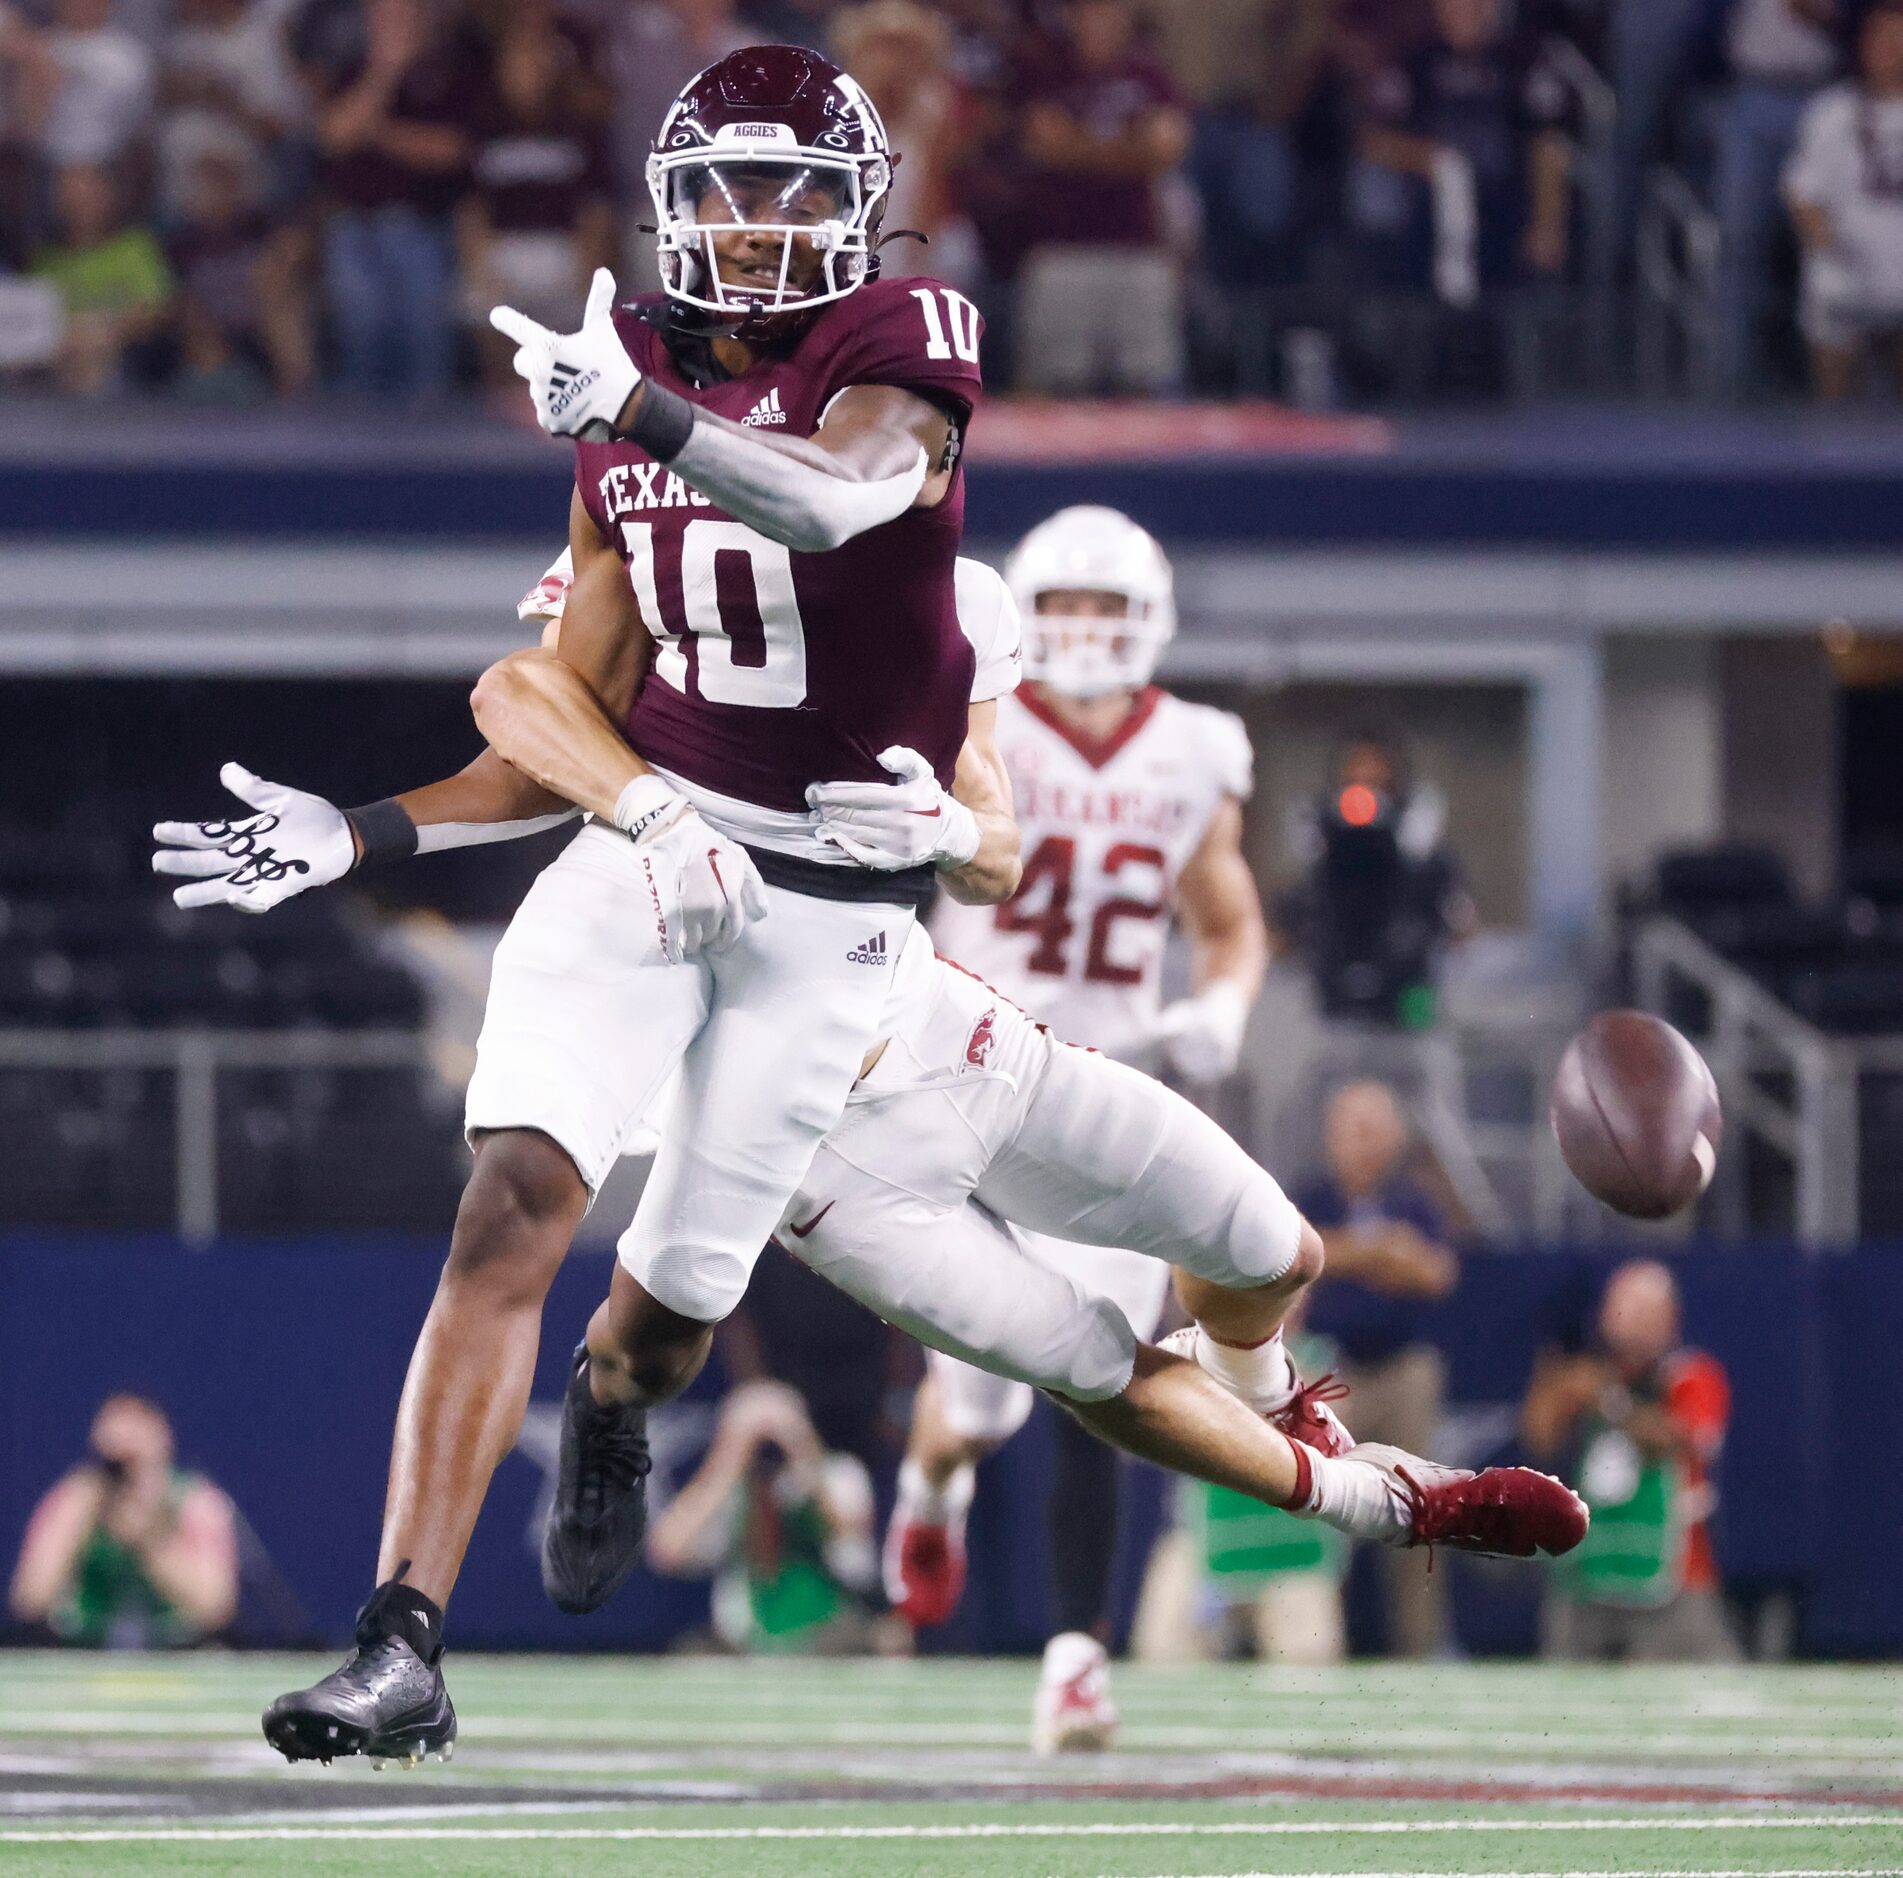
(282, 1362)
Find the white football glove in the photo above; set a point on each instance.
(896, 825)
(579, 381)
(704, 888)
(294, 841)
(1202, 1036)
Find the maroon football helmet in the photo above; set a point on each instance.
(777, 140)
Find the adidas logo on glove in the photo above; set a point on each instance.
(871, 953)
(766, 412)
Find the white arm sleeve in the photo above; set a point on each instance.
(431, 836)
(989, 617)
(790, 502)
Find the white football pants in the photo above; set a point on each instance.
(976, 1116)
(586, 1021)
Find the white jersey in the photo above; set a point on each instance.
(1108, 829)
(1849, 162)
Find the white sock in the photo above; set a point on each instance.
(1259, 1373)
(935, 1506)
(1357, 1498)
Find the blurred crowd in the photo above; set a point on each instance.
(233, 199)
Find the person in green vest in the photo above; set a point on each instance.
(111, 277)
(128, 1550)
(1238, 1577)
(1639, 1421)
(783, 1527)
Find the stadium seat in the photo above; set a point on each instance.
(1776, 942)
(1695, 883)
(1863, 1000)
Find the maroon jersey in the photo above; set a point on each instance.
(775, 669)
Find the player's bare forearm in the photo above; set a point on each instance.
(983, 785)
(554, 712)
(1221, 909)
(488, 790)
(541, 717)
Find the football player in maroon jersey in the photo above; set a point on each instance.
(767, 510)
(645, 951)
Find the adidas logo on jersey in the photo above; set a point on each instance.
(767, 411)
(871, 953)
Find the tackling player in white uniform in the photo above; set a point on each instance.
(1129, 805)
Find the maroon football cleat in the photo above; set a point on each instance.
(1503, 1512)
(1307, 1418)
(1304, 1417)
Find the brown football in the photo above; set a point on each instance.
(1635, 1111)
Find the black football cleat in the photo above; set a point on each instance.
(385, 1702)
(593, 1537)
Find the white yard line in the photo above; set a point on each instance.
(1105, 1829)
(1624, 1871)
(1630, 1743)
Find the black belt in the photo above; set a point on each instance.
(821, 880)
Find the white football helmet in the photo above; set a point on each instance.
(1092, 550)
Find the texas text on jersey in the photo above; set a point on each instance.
(776, 668)
(1108, 826)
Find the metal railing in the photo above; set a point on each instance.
(1678, 256)
(195, 1058)
(1593, 148)
(1758, 1049)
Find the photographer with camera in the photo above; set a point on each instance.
(1638, 1417)
(127, 1550)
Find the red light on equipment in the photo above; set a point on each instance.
(1359, 805)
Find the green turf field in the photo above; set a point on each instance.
(668, 1767)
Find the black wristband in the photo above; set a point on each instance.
(663, 422)
(385, 831)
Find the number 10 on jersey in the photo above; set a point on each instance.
(951, 332)
(734, 604)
